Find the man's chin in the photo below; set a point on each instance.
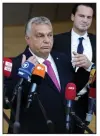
(83, 29)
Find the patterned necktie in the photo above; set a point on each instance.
(51, 74)
(80, 48)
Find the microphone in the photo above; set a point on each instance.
(38, 74)
(70, 94)
(91, 104)
(25, 73)
(7, 69)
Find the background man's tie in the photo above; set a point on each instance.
(51, 73)
(80, 48)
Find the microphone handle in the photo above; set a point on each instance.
(30, 96)
(68, 119)
(16, 89)
(49, 122)
(16, 126)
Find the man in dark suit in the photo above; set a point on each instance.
(68, 43)
(39, 37)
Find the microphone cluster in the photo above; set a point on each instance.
(25, 72)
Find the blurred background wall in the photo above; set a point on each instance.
(15, 15)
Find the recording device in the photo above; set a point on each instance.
(7, 70)
(38, 74)
(25, 73)
(70, 94)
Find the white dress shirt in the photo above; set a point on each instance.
(41, 60)
(87, 49)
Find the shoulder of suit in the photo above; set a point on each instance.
(58, 55)
(62, 34)
(19, 57)
(91, 35)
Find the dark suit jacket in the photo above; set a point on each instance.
(62, 43)
(32, 119)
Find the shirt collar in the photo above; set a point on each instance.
(74, 34)
(41, 60)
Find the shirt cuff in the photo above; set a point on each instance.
(89, 69)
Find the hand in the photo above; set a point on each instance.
(80, 60)
(31, 59)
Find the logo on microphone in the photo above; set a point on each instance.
(8, 66)
(72, 88)
(40, 68)
(25, 65)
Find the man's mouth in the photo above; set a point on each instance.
(45, 47)
(84, 25)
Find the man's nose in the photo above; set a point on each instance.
(46, 39)
(85, 19)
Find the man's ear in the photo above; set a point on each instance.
(27, 39)
(72, 17)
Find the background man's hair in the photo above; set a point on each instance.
(84, 4)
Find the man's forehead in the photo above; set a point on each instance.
(84, 10)
(44, 32)
(42, 28)
(83, 7)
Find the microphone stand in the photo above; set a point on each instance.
(16, 125)
(78, 120)
(7, 104)
(48, 121)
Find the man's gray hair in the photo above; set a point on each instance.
(36, 20)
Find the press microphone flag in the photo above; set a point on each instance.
(26, 70)
(70, 94)
(7, 67)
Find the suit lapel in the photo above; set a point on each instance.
(49, 81)
(59, 70)
(61, 75)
